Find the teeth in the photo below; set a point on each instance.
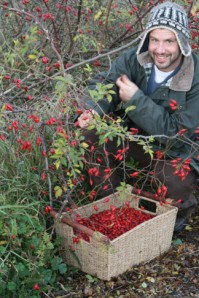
(161, 56)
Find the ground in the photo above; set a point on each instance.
(173, 274)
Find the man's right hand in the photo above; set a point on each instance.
(86, 118)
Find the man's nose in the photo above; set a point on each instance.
(160, 49)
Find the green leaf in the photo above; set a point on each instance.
(131, 108)
(11, 286)
(20, 267)
(91, 279)
(47, 275)
(109, 97)
(58, 191)
(177, 242)
(118, 142)
(109, 86)
(188, 228)
(151, 139)
(22, 228)
(63, 161)
(75, 257)
(60, 78)
(111, 92)
(56, 262)
(144, 285)
(63, 268)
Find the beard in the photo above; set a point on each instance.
(166, 62)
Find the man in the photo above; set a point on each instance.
(160, 78)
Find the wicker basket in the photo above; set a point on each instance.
(141, 244)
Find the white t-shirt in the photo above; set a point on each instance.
(160, 76)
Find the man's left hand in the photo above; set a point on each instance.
(127, 88)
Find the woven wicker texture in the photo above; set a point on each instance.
(141, 244)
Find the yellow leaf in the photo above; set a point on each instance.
(57, 164)
(3, 242)
(98, 15)
(188, 228)
(58, 191)
(58, 151)
(151, 279)
(3, 108)
(85, 145)
(16, 42)
(32, 57)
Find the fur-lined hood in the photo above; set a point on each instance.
(182, 81)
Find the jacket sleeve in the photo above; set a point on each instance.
(156, 119)
(122, 65)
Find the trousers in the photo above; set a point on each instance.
(115, 163)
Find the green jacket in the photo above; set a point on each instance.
(153, 115)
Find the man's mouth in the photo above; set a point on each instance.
(161, 58)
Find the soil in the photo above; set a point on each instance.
(173, 274)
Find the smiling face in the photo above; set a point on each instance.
(164, 49)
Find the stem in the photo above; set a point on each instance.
(105, 25)
(47, 170)
(70, 34)
(78, 14)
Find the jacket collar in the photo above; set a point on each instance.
(182, 81)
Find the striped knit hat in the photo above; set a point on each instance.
(168, 15)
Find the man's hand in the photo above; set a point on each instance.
(127, 88)
(86, 118)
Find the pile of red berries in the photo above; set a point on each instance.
(113, 222)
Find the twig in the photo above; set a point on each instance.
(105, 25)
(139, 20)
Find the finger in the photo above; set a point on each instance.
(120, 83)
(83, 124)
(126, 80)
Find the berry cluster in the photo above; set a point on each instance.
(113, 222)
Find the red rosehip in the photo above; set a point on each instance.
(36, 287)
(79, 111)
(7, 77)
(45, 60)
(8, 107)
(38, 9)
(48, 209)
(52, 151)
(3, 138)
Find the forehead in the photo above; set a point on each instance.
(162, 33)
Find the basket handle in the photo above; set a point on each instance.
(143, 193)
(145, 196)
(78, 226)
(148, 196)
